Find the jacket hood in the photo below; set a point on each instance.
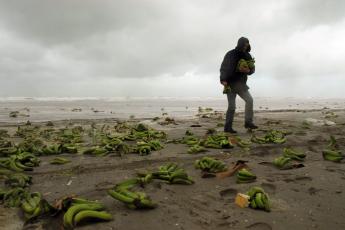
(241, 42)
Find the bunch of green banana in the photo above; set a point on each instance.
(13, 197)
(155, 145)
(133, 200)
(332, 155)
(226, 89)
(54, 149)
(96, 151)
(13, 163)
(7, 151)
(68, 148)
(28, 159)
(332, 143)
(59, 161)
(20, 162)
(196, 149)
(81, 210)
(34, 206)
(242, 64)
(147, 133)
(272, 136)
(172, 174)
(209, 164)
(190, 140)
(117, 145)
(245, 176)
(293, 154)
(251, 63)
(143, 148)
(282, 162)
(4, 172)
(217, 141)
(242, 143)
(258, 199)
(332, 152)
(18, 180)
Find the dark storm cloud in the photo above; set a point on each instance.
(89, 41)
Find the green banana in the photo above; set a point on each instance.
(258, 200)
(91, 214)
(255, 190)
(281, 162)
(266, 202)
(119, 196)
(332, 155)
(290, 153)
(74, 209)
(253, 204)
(59, 160)
(210, 165)
(196, 149)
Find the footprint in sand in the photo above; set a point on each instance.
(313, 191)
(298, 179)
(228, 193)
(260, 226)
(268, 187)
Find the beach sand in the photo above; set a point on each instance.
(311, 197)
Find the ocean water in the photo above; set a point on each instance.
(45, 109)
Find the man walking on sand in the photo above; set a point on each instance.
(236, 79)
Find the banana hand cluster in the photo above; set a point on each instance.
(13, 197)
(332, 153)
(145, 148)
(18, 180)
(34, 206)
(258, 199)
(20, 162)
(245, 64)
(172, 174)
(196, 149)
(245, 176)
(190, 140)
(59, 161)
(53, 149)
(272, 136)
(210, 164)
(133, 200)
(226, 89)
(282, 162)
(81, 210)
(96, 151)
(217, 141)
(242, 143)
(293, 154)
(116, 145)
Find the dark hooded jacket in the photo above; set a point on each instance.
(236, 80)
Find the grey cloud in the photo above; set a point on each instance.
(87, 40)
(316, 12)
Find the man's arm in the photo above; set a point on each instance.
(228, 67)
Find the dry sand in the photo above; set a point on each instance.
(311, 197)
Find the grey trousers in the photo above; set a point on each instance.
(248, 112)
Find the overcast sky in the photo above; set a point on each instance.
(169, 48)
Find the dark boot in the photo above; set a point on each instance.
(250, 126)
(230, 130)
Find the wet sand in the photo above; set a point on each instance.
(311, 197)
